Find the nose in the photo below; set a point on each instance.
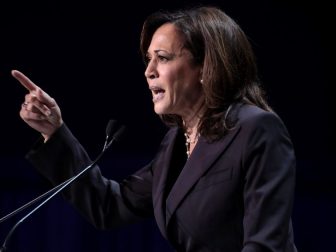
(151, 71)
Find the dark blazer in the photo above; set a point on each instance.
(235, 194)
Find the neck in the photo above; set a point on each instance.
(191, 127)
(191, 116)
(190, 124)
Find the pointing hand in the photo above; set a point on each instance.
(39, 110)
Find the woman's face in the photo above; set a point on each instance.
(173, 78)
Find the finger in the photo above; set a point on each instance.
(44, 98)
(24, 80)
(28, 115)
(44, 124)
(41, 96)
(35, 105)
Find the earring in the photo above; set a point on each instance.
(201, 81)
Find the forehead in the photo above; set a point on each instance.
(167, 37)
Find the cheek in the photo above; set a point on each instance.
(180, 80)
(171, 80)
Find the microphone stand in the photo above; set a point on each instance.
(54, 191)
(32, 202)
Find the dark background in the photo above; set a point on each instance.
(86, 56)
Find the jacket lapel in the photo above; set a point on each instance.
(162, 164)
(201, 159)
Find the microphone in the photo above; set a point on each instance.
(111, 127)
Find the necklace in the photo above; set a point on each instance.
(189, 141)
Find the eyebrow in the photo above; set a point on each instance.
(173, 54)
(160, 50)
(155, 52)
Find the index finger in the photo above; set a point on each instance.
(24, 80)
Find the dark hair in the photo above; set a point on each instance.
(229, 70)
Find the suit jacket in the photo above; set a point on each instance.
(235, 194)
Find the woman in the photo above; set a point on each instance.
(223, 177)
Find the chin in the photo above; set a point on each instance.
(160, 110)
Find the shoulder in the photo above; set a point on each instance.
(252, 119)
(250, 114)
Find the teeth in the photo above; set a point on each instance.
(156, 89)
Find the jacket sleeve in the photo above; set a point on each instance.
(104, 202)
(269, 182)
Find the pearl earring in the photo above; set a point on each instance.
(201, 81)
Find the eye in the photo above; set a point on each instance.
(162, 58)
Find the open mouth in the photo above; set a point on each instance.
(157, 92)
